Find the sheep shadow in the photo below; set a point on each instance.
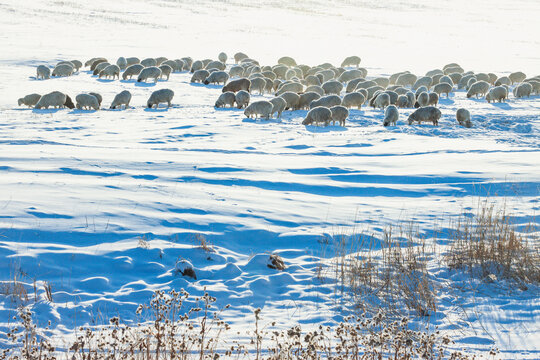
(128, 81)
(196, 84)
(23, 109)
(161, 109)
(261, 121)
(81, 111)
(325, 129)
(34, 78)
(105, 80)
(226, 108)
(446, 101)
(144, 84)
(502, 105)
(213, 86)
(46, 111)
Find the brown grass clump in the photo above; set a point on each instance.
(488, 246)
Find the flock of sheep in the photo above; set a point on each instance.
(328, 92)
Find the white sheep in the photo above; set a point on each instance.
(98, 97)
(217, 77)
(522, 90)
(294, 87)
(149, 62)
(382, 81)
(160, 60)
(95, 60)
(76, 64)
(87, 101)
(239, 56)
(216, 65)
(96, 63)
(447, 79)
(478, 88)
(393, 96)
(465, 80)
(226, 98)
(166, 70)
(503, 80)
(381, 101)
(402, 101)
(326, 101)
(535, 84)
(122, 63)
(463, 117)
(62, 70)
(199, 76)
(411, 97)
(257, 84)
(498, 93)
(372, 90)
(406, 79)
(279, 105)
(99, 67)
(260, 108)
(339, 114)
(434, 72)
(236, 71)
(391, 115)
(43, 72)
(433, 99)
(222, 57)
(131, 70)
(443, 88)
(29, 100)
(237, 85)
(315, 88)
(517, 77)
(350, 75)
(353, 99)
(55, 99)
(287, 60)
(422, 99)
(306, 99)
(132, 61)
(111, 70)
(176, 65)
(319, 114)
(292, 99)
(152, 72)
(427, 113)
(122, 98)
(160, 96)
(483, 77)
(332, 87)
(242, 98)
(351, 61)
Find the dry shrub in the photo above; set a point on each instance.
(488, 246)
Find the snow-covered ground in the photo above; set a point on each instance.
(102, 205)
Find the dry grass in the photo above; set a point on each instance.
(14, 288)
(488, 246)
(203, 243)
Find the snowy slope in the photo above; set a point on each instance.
(102, 205)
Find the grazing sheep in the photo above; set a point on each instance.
(149, 62)
(463, 117)
(258, 85)
(469, 84)
(372, 90)
(294, 87)
(98, 97)
(160, 60)
(100, 67)
(29, 100)
(482, 77)
(312, 80)
(393, 96)
(239, 56)
(435, 79)
(423, 81)
(420, 90)
(226, 98)
(535, 84)
(65, 62)
(216, 65)
(492, 78)
(412, 99)
(76, 64)
(422, 100)
(353, 99)
(517, 77)
(222, 57)
(166, 70)
(217, 77)
(315, 88)
(110, 71)
(446, 79)
(465, 80)
(176, 65)
(326, 75)
(262, 109)
(393, 78)
(339, 114)
(306, 99)
(332, 87)
(131, 70)
(454, 69)
(62, 70)
(451, 65)
(353, 84)
(319, 114)
(123, 98)
(152, 72)
(478, 88)
(132, 61)
(197, 65)
(402, 101)
(87, 101)
(188, 61)
(433, 99)
(434, 72)
(398, 89)
(122, 63)
(237, 85)
(292, 99)
(381, 101)
(236, 71)
(95, 62)
(522, 90)
(55, 99)
(326, 101)
(287, 60)
(456, 78)
(280, 71)
(199, 76)
(503, 80)
(242, 98)
(391, 115)
(351, 61)
(43, 72)
(269, 74)
(279, 105)
(381, 81)
(498, 93)
(160, 96)
(427, 113)
(406, 79)
(350, 75)
(443, 88)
